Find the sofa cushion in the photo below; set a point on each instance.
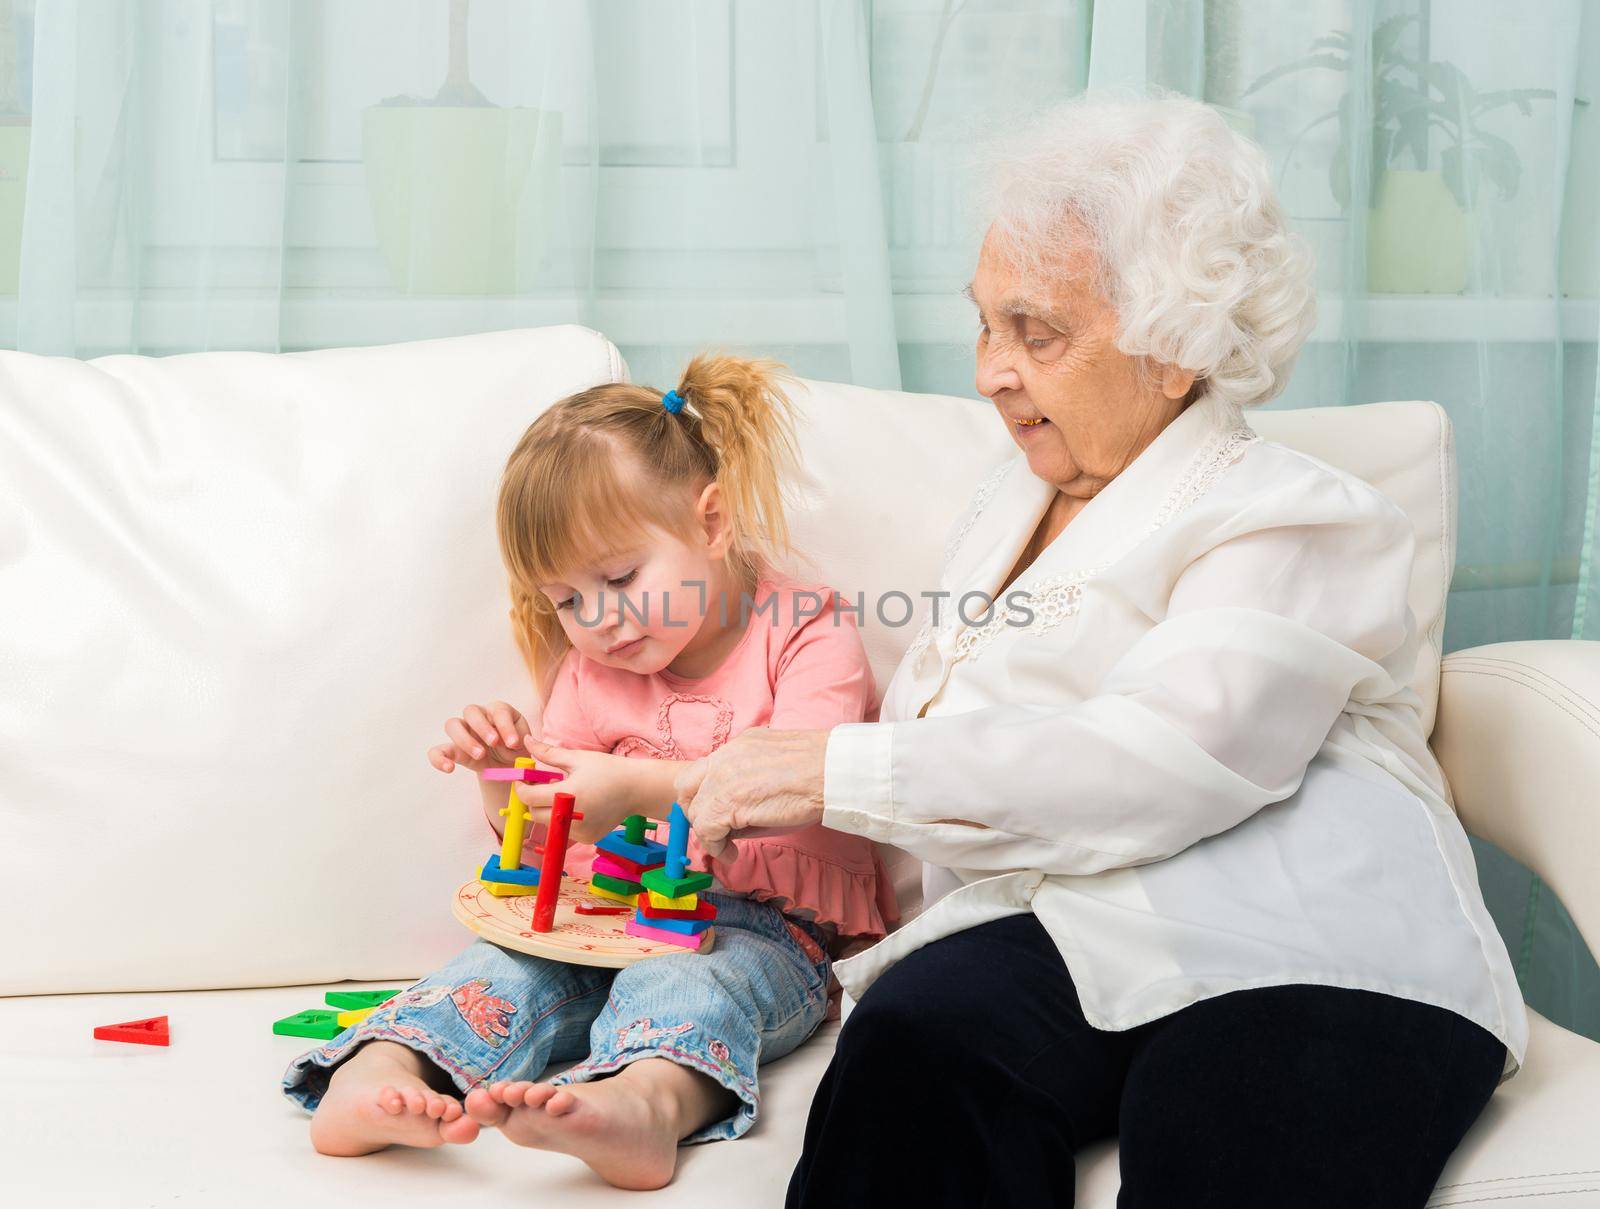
(241, 594)
(224, 1132)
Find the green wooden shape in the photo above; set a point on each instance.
(615, 884)
(314, 1022)
(355, 1000)
(634, 827)
(692, 882)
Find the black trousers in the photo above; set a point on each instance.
(967, 1076)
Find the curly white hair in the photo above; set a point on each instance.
(1192, 246)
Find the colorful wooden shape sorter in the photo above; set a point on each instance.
(613, 920)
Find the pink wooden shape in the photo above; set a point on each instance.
(645, 932)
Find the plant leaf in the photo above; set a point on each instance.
(1512, 96)
(1386, 36)
(1499, 162)
(1329, 62)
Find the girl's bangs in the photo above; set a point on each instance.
(582, 514)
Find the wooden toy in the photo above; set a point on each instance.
(700, 943)
(605, 881)
(661, 902)
(684, 927)
(555, 855)
(632, 845)
(591, 940)
(321, 1025)
(153, 1031)
(358, 999)
(614, 920)
(503, 872)
(648, 911)
(675, 879)
(525, 772)
(353, 1016)
(622, 871)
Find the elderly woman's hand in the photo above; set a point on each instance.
(763, 782)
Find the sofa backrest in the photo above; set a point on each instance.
(240, 593)
(888, 473)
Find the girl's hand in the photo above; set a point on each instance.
(607, 788)
(762, 782)
(485, 736)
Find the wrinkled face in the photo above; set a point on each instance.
(1048, 359)
(638, 608)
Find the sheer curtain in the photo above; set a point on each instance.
(789, 178)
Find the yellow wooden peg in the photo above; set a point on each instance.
(346, 1019)
(517, 819)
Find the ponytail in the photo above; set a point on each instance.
(746, 422)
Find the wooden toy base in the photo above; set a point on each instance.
(586, 940)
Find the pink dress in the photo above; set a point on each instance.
(789, 671)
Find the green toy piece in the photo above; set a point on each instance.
(356, 1000)
(692, 882)
(314, 1022)
(615, 884)
(634, 827)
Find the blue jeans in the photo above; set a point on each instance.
(493, 1014)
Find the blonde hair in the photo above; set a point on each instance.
(602, 467)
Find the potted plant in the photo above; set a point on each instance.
(1420, 218)
(463, 191)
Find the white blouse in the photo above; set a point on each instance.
(1187, 734)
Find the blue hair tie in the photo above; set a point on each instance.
(672, 401)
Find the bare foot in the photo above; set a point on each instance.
(378, 1098)
(626, 1127)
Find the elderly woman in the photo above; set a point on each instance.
(1192, 879)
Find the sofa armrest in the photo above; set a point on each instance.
(1518, 737)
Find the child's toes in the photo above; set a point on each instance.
(484, 1109)
(538, 1094)
(413, 1099)
(460, 1130)
(510, 1094)
(452, 1111)
(561, 1103)
(390, 1101)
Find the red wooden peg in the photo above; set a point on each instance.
(554, 851)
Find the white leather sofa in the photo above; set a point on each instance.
(239, 593)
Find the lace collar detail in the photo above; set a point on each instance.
(1222, 435)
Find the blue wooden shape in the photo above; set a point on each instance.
(689, 927)
(648, 853)
(491, 872)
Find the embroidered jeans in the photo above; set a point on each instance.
(494, 1014)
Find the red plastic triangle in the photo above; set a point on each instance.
(136, 1032)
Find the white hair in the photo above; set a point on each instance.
(1192, 247)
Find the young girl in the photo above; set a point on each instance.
(639, 531)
